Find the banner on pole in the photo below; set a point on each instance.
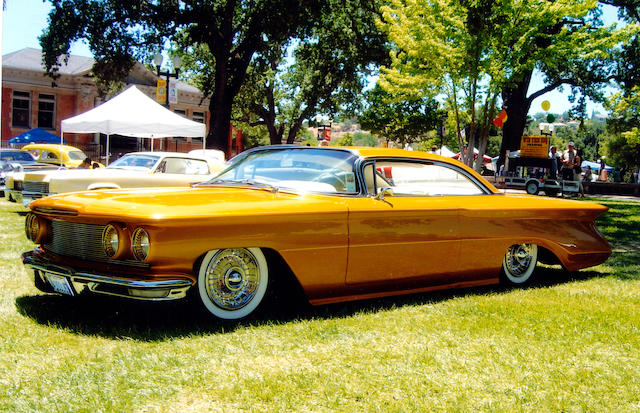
(161, 91)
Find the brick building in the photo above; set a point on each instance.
(29, 100)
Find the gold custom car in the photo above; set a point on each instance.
(348, 223)
(133, 170)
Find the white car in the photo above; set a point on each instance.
(133, 170)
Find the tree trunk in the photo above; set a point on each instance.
(517, 105)
(220, 109)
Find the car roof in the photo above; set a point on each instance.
(50, 146)
(364, 151)
(166, 154)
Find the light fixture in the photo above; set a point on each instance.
(177, 62)
(157, 59)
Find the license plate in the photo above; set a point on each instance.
(59, 284)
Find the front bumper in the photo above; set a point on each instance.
(27, 197)
(153, 289)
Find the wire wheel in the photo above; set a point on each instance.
(519, 262)
(232, 282)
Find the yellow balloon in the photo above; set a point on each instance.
(546, 105)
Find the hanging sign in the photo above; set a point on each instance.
(173, 93)
(534, 147)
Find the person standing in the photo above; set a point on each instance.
(555, 161)
(568, 158)
(577, 170)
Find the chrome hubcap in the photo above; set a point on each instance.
(518, 259)
(232, 278)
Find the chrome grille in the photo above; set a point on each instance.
(82, 241)
(39, 187)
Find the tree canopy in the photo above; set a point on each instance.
(119, 32)
(402, 121)
(481, 55)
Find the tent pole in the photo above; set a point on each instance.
(107, 152)
(204, 142)
(61, 141)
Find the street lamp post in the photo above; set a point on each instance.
(177, 63)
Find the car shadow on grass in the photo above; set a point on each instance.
(121, 318)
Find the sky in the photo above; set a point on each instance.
(23, 22)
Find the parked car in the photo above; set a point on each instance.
(346, 223)
(12, 177)
(52, 153)
(136, 169)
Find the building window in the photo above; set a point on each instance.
(21, 109)
(181, 112)
(46, 110)
(198, 117)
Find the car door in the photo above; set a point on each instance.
(413, 231)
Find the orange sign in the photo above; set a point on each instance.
(161, 91)
(534, 147)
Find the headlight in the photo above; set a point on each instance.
(140, 244)
(32, 226)
(110, 240)
(35, 228)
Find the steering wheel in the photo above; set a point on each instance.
(337, 179)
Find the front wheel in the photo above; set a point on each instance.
(519, 263)
(233, 282)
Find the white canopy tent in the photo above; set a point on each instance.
(132, 113)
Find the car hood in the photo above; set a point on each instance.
(79, 174)
(156, 204)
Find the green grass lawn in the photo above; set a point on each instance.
(569, 342)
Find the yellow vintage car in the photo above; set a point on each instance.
(347, 223)
(51, 153)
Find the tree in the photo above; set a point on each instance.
(322, 71)
(119, 32)
(481, 52)
(401, 121)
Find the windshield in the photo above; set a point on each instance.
(77, 155)
(135, 162)
(301, 169)
(17, 156)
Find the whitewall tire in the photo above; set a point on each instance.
(233, 282)
(519, 262)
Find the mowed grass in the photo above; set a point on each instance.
(569, 342)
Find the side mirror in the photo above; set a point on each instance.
(384, 191)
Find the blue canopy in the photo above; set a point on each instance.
(36, 135)
(595, 166)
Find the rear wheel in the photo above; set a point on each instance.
(233, 282)
(532, 188)
(519, 263)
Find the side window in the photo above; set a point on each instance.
(49, 156)
(183, 166)
(421, 179)
(195, 167)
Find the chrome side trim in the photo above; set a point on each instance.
(121, 286)
(54, 211)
